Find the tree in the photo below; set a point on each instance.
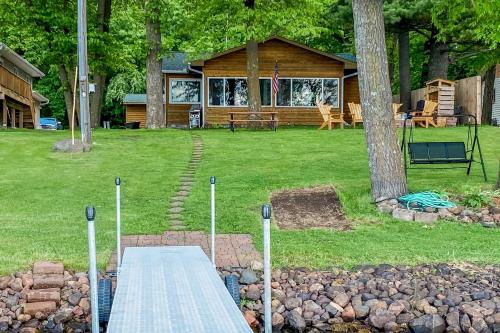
(385, 160)
(155, 114)
(252, 52)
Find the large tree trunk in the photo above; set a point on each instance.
(99, 78)
(439, 58)
(253, 76)
(404, 71)
(384, 156)
(155, 115)
(489, 84)
(68, 85)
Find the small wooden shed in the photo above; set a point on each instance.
(442, 91)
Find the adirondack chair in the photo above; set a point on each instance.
(355, 110)
(329, 117)
(395, 109)
(426, 118)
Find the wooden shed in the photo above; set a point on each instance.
(19, 104)
(218, 84)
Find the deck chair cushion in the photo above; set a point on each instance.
(437, 152)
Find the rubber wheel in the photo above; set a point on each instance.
(232, 285)
(105, 299)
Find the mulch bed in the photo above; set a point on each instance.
(317, 207)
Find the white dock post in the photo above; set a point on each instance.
(212, 217)
(266, 219)
(118, 227)
(90, 213)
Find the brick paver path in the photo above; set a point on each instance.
(235, 250)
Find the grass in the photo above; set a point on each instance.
(44, 194)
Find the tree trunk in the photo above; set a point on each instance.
(385, 161)
(99, 78)
(439, 59)
(489, 84)
(404, 71)
(68, 85)
(498, 179)
(155, 115)
(253, 76)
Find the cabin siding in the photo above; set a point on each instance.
(293, 61)
(15, 87)
(136, 112)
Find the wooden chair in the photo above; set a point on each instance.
(329, 117)
(395, 109)
(426, 118)
(355, 110)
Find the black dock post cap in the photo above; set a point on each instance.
(212, 180)
(117, 181)
(90, 212)
(266, 211)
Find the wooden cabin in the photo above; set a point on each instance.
(19, 104)
(218, 84)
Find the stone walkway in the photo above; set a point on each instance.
(177, 201)
(235, 250)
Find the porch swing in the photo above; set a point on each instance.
(450, 153)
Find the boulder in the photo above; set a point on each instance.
(430, 323)
(296, 321)
(403, 214)
(67, 146)
(248, 276)
(426, 217)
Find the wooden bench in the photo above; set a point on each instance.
(258, 117)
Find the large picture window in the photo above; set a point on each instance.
(233, 92)
(185, 91)
(303, 92)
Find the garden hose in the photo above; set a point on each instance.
(422, 200)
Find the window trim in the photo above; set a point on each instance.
(224, 78)
(336, 106)
(170, 80)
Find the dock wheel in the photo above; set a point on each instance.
(232, 285)
(105, 299)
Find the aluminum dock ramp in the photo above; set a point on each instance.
(172, 289)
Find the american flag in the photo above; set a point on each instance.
(276, 85)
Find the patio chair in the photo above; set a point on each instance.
(356, 117)
(426, 118)
(395, 109)
(330, 117)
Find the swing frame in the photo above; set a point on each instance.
(441, 148)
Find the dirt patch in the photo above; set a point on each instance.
(317, 207)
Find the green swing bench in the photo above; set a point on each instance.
(426, 153)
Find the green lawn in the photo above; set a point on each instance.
(43, 194)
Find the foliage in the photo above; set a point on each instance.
(477, 198)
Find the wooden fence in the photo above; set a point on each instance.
(468, 94)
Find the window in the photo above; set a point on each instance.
(234, 92)
(303, 92)
(185, 91)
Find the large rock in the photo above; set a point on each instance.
(46, 281)
(292, 303)
(248, 276)
(43, 295)
(296, 321)
(43, 307)
(253, 292)
(431, 323)
(44, 267)
(381, 317)
(426, 217)
(67, 146)
(403, 214)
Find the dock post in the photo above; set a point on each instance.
(266, 219)
(118, 227)
(212, 218)
(90, 213)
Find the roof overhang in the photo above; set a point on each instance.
(40, 98)
(20, 62)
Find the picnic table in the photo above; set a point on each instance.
(253, 117)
